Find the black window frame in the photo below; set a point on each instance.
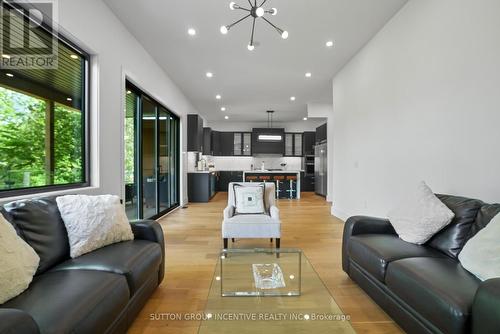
(86, 146)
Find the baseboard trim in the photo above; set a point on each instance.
(342, 215)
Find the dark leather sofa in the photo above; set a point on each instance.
(99, 292)
(424, 288)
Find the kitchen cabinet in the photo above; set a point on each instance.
(321, 133)
(201, 186)
(308, 142)
(207, 141)
(227, 144)
(194, 133)
(216, 148)
(242, 144)
(293, 144)
(306, 182)
(226, 177)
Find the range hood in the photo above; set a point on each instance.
(268, 141)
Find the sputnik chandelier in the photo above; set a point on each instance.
(255, 12)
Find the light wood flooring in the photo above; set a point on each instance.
(193, 242)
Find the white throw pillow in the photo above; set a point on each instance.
(249, 199)
(481, 254)
(420, 216)
(93, 222)
(18, 262)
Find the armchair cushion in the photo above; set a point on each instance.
(251, 226)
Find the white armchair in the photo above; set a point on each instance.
(252, 225)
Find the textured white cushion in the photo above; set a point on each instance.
(18, 262)
(481, 254)
(249, 199)
(93, 222)
(420, 216)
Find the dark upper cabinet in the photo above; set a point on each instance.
(222, 143)
(266, 146)
(227, 143)
(293, 144)
(194, 133)
(308, 142)
(321, 133)
(207, 142)
(242, 144)
(216, 144)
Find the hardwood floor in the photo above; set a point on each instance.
(193, 242)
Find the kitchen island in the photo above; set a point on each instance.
(287, 182)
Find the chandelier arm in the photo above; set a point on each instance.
(250, 3)
(253, 30)
(263, 2)
(272, 25)
(243, 8)
(235, 23)
(255, 3)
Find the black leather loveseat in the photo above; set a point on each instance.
(424, 288)
(99, 292)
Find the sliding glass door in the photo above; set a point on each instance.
(151, 156)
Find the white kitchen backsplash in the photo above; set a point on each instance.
(245, 163)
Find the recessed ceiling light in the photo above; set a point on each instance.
(329, 44)
(5, 56)
(226, 117)
(129, 92)
(10, 75)
(292, 98)
(69, 99)
(305, 118)
(73, 56)
(209, 74)
(191, 32)
(218, 97)
(308, 74)
(223, 109)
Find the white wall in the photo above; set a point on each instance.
(421, 101)
(116, 54)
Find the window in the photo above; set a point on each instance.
(43, 120)
(152, 152)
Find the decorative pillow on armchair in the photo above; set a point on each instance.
(420, 216)
(93, 222)
(249, 199)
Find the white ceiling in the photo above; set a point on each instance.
(252, 82)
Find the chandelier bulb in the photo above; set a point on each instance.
(224, 30)
(232, 5)
(260, 12)
(250, 47)
(284, 34)
(274, 11)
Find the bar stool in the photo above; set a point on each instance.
(277, 179)
(293, 184)
(251, 178)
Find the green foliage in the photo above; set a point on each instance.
(23, 142)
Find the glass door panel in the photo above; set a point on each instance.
(131, 189)
(149, 160)
(163, 160)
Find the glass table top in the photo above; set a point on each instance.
(299, 302)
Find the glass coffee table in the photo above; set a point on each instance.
(270, 291)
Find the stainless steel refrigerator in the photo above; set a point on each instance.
(321, 169)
